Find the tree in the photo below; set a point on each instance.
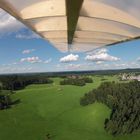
(124, 100)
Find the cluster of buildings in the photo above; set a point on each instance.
(130, 76)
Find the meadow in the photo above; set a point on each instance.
(55, 110)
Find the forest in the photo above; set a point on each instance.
(5, 99)
(77, 81)
(10, 83)
(124, 101)
(17, 82)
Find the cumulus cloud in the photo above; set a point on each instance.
(34, 59)
(28, 51)
(48, 61)
(9, 24)
(97, 51)
(100, 56)
(69, 58)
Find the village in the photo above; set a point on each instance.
(130, 76)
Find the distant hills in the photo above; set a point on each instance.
(92, 72)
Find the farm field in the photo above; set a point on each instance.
(55, 110)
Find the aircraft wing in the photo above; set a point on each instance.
(79, 25)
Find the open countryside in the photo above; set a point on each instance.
(69, 69)
(55, 110)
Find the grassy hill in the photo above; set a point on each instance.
(55, 110)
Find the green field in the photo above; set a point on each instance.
(55, 110)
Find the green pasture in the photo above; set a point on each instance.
(55, 110)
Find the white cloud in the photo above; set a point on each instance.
(27, 51)
(9, 24)
(100, 55)
(11, 69)
(99, 62)
(97, 51)
(34, 59)
(121, 65)
(138, 59)
(15, 63)
(10, 64)
(29, 35)
(69, 58)
(58, 66)
(48, 61)
(73, 66)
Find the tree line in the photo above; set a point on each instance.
(78, 81)
(10, 83)
(17, 82)
(5, 99)
(124, 101)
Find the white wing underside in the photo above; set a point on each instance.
(100, 22)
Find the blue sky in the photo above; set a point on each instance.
(23, 51)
